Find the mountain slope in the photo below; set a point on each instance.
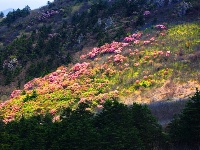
(163, 59)
(32, 40)
(159, 62)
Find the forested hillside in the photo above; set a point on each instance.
(98, 69)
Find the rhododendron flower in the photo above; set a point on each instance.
(129, 39)
(87, 109)
(146, 57)
(162, 34)
(152, 39)
(82, 100)
(125, 44)
(28, 86)
(160, 26)
(136, 64)
(15, 93)
(160, 52)
(136, 50)
(118, 51)
(79, 66)
(91, 54)
(167, 53)
(52, 111)
(136, 42)
(137, 81)
(146, 13)
(119, 58)
(146, 42)
(83, 56)
(134, 35)
(145, 77)
(56, 118)
(100, 106)
(126, 64)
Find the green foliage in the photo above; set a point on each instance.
(185, 128)
(134, 124)
(116, 127)
(13, 16)
(32, 97)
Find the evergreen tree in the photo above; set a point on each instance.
(1, 14)
(185, 129)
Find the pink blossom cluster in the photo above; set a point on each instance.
(167, 53)
(136, 41)
(47, 14)
(78, 66)
(82, 100)
(152, 39)
(160, 52)
(137, 35)
(129, 39)
(53, 111)
(35, 83)
(3, 104)
(146, 42)
(83, 56)
(52, 35)
(133, 37)
(119, 58)
(15, 93)
(100, 106)
(94, 52)
(56, 118)
(78, 70)
(114, 47)
(11, 116)
(160, 26)
(75, 87)
(28, 86)
(55, 77)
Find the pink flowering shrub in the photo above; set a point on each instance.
(53, 111)
(15, 93)
(28, 86)
(160, 52)
(167, 53)
(160, 26)
(152, 39)
(119, 58)
(129, 39)
(136, 64)
(78, 66)
(146, 13)
(136, 41)
(146, 42)
(83, 56)
(47, 15)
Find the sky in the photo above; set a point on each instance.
(14, 4)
